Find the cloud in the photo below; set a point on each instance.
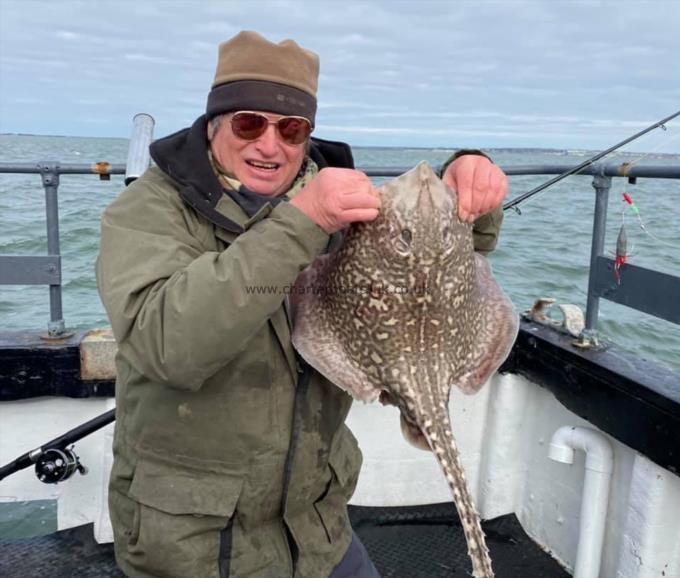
(34, 62)
(138, 57)
(21, 100)
(542, 73)
(510, 132)
(90, 101)
(67, 35)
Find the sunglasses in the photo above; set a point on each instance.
(293, 130)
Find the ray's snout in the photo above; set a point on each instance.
(419, 192)
(431, 191)
(425, 202)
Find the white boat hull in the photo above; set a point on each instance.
(504, 433)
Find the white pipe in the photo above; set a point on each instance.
(599, 465)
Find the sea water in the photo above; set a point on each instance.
(544, 252)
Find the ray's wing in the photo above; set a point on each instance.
(496, 331)
(313, 334)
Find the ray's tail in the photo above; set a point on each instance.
(443, 444)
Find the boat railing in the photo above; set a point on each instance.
(646, 290)
(46, 269)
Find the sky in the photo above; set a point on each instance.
(540, 73)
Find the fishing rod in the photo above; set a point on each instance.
(54, 461)
(512, 204)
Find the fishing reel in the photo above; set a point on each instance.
(58, 465)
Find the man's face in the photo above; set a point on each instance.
(267, 165)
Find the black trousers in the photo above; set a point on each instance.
(355, 563)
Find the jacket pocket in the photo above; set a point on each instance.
(344, 462)
(180, 513)
(183, 489)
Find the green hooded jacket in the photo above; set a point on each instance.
(203, 483)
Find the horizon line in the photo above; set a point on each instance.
(378, 146)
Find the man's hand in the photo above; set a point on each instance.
(337, 197)
(481, 186)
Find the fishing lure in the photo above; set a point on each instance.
(633, 206)
(622, 254)
(621, 257)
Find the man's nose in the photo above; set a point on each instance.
(268, 143)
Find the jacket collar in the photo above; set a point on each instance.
(183, 157)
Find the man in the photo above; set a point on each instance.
(231, 458)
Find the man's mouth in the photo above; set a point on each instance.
(263, 166)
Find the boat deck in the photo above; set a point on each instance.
(407, 542)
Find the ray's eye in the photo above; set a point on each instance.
(447, 235)
(403, 242)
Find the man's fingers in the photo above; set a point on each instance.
(487, 191)
(480, 194)
(463, 187)
(359, 200)
(353, 215)
(498, 188)
(500, 184)
(480, 186)
(447, 179)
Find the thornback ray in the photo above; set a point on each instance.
(404, 311)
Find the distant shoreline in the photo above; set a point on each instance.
(561, 151)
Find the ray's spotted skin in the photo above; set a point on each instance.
(404, 311)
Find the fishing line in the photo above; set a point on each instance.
(633, 207)
(662, 144)
(622, 254)
(629, 200)
(515, 202)
(629, 164)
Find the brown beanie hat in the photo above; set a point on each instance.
(256, 74)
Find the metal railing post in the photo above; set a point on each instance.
(138, 151)
(602, 185)
(50, 180)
